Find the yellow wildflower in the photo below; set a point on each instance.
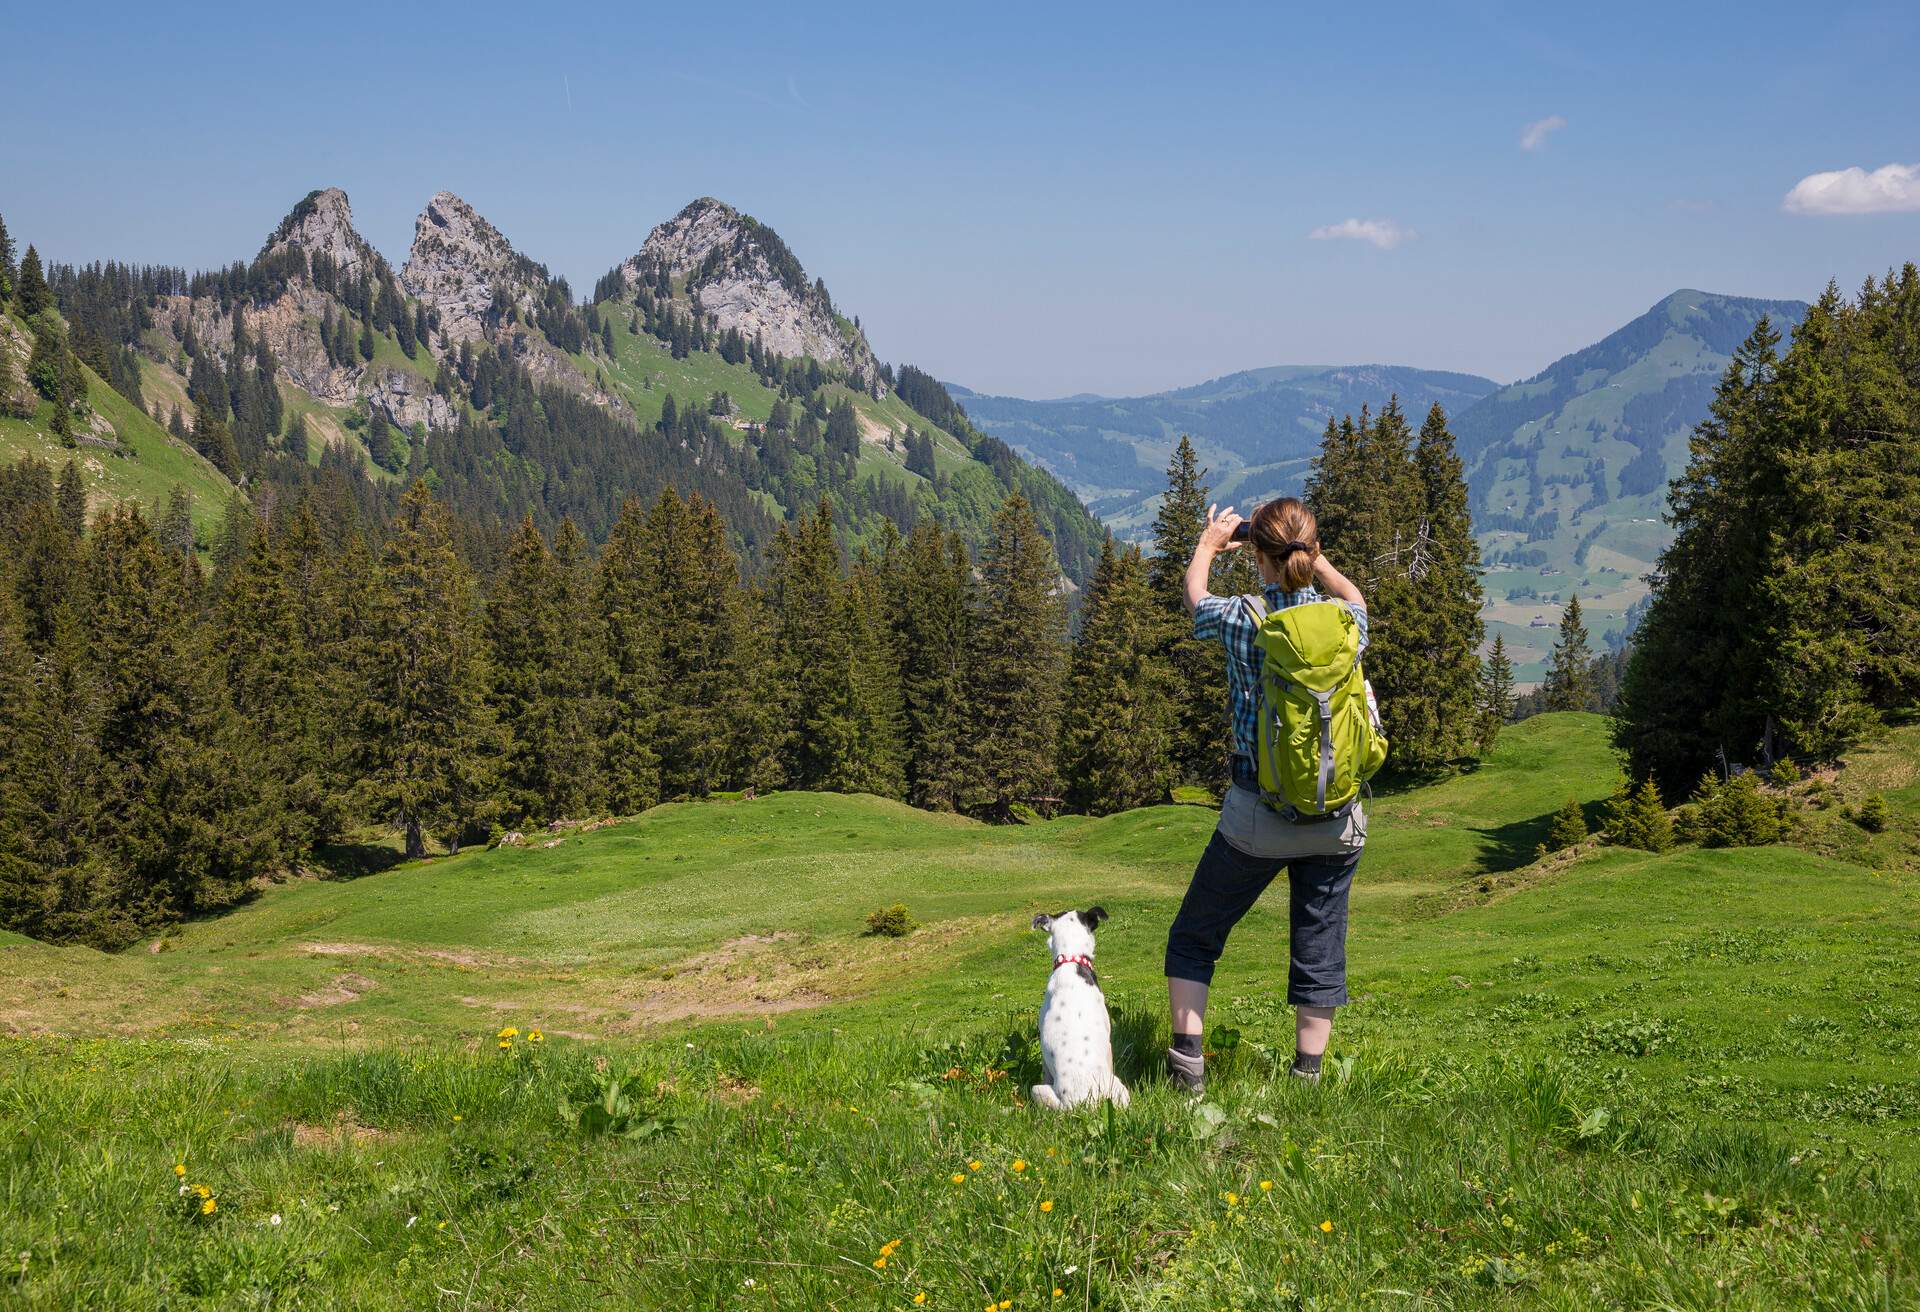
(959, 1178)
(1326, 1227)
(1046, 1205)
(508, 1033)
(1233, 1199)
(973, 1166)
(179, 1168)
(207, 1208)
(1266, 1186)
(1005, 1303)
(1019, 1165)
(1057, 1291)
(535, 1036)
(456, 1116)
(880, 1263)
(920, 1298)
(203, 1191)
(505, 1044)
(1052, 1151)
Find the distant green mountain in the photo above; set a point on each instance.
(1569, 468)
(1255, 430)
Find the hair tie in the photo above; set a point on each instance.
(1294, 546)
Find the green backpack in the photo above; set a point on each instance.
(1318, 733)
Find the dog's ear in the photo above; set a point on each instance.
(1093, 916)
(1043, 921)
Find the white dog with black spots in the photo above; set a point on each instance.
(1076, 1036)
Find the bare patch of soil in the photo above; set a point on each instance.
(469, 959)
(345, 988)
(343, 1131)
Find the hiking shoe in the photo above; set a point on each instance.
(1187, 1074)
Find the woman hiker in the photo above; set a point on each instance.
(1253, 842)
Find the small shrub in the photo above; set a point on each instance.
(1639, 819)
(1785, 774)
(1569, 827)
(1736, 813)
(891, 922)
(1872, 815)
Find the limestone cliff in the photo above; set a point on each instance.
(742, 276)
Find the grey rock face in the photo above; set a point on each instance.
(322, 224)
(458, 263)
(464, 270)
(754, 284)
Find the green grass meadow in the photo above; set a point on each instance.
(1603, 1079)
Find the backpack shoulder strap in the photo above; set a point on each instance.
(1256, 606)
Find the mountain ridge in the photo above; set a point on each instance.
(475, 365)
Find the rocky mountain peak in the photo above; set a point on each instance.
(459, 263)
(744, 276)
(322, 224)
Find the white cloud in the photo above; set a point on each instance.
(1384, 233)
(1536, 134)
(1891, 188)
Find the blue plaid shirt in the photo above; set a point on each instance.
(1230, 621)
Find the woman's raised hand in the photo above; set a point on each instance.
(1218, 534)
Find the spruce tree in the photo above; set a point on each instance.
(815, 642)
(524, 635)
(7, 275)
(709, 716)
(1116, 732)
(550, 676)
(26, 892)
(428, 740)
(189, 823)
(578, 681)
(877, 763)
(72, 500)
(1494, 701)
(1636, 817)
(1440, 627)
(624, 592)
(296, 444)
(1199, 669)
(1015, 668)
(1675, 715)
(68, 884)
(274, 677)
(31, 293)
(931, 588)
(1569, 681)
(1568, 828)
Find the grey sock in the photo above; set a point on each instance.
(1187, 1045)
(1305, 1065)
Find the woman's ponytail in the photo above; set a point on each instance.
(1286, 533)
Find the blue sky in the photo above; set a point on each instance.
(1035, 199)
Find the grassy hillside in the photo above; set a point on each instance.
(134, 458)
(1592, 440)
(1605, 1079)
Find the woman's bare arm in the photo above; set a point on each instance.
(1335, 584)
(1215, 538)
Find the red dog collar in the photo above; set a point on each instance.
(1073, 961)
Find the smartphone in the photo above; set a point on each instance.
(1242, 530)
